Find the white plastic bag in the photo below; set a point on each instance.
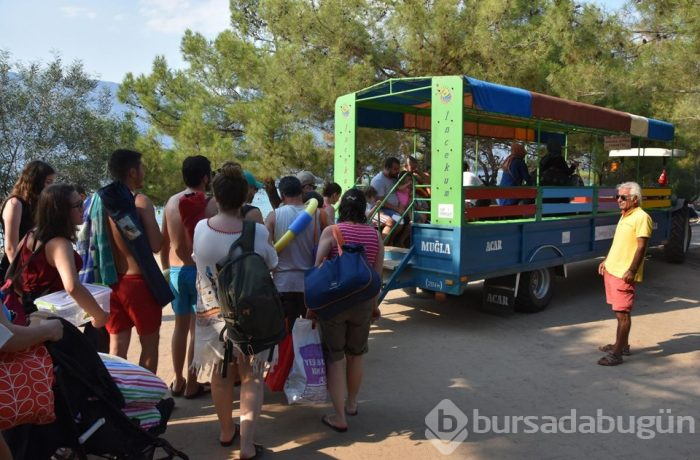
(306, 383)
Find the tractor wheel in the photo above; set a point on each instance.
(535, 291)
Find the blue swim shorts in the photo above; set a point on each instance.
(183, 283)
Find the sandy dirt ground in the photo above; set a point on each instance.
(423, 351)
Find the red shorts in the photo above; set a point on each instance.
(132, 304)
(618, 293)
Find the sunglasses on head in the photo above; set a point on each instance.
(624, 197)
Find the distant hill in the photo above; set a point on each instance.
(119, 110)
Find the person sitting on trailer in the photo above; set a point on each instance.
(422, 177)
(469, 179)
(390, 213)
(422, 192)
(553, 167)
(515, 172)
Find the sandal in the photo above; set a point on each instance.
(610, 360)
(236, 432)
(258, 453)
(202, 389)
(177, 393)
(609, 348)
(326, 421)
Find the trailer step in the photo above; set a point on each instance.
(396, 249)
(391, 264)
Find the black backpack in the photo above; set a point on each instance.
(250, 303)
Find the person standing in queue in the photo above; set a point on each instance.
(180, 216)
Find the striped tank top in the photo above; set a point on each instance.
(363, 234)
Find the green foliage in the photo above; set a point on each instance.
(263, 91)
(52, 112)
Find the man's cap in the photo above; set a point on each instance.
(252, 181)
(290, 186)
(306, 178)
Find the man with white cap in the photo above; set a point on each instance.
(308, 181)
(308, 184)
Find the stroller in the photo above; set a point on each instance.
(89, 419)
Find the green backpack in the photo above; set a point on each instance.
(250, 303)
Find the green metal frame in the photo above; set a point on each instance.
(447, 114)
(345, 140)
(447, 127)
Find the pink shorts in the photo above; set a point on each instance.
(618, 293)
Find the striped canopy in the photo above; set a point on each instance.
(509, 112)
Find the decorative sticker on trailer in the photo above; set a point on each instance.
(605, 232)
(446, 210)
(565, 237)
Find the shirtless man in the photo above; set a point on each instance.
(181, 213)
(132, 303)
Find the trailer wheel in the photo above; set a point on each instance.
(535, 291)
(679, 239)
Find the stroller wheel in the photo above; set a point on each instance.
(64, 454)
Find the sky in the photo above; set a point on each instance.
(113, 37)
(110, 37)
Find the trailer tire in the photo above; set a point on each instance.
(679, 239)
(534, 291)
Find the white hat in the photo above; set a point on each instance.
(306, 178)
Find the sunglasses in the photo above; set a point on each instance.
(77, 205)
(624, 197)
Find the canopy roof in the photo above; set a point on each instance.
(493, 110)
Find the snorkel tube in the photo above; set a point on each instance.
(298, 225)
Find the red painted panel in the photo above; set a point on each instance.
(554, 108)
(499, 192)
(501, 211)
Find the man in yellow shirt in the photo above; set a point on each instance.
(623, 267)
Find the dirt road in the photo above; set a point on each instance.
(544, 364)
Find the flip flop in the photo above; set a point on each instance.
(236, 432)
(258, 453)
(338, 429)
(177, 393)
(202, 389)
(351, 414)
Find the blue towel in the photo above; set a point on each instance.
(120, 205)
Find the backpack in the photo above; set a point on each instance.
(250, 303)
(341, 282)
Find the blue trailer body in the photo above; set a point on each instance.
(445, 259)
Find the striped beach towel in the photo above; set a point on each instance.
(141, 389)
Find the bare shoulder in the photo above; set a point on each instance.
(58, 244)
(172, 203)
(13, 203)
(143, 201)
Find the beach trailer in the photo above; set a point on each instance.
(515, 249)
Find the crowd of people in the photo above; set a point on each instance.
(116, 245)
(120, 234)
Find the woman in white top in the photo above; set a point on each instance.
(212, 240)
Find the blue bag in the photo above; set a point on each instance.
(341, 282)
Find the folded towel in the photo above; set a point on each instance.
(94, 246)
